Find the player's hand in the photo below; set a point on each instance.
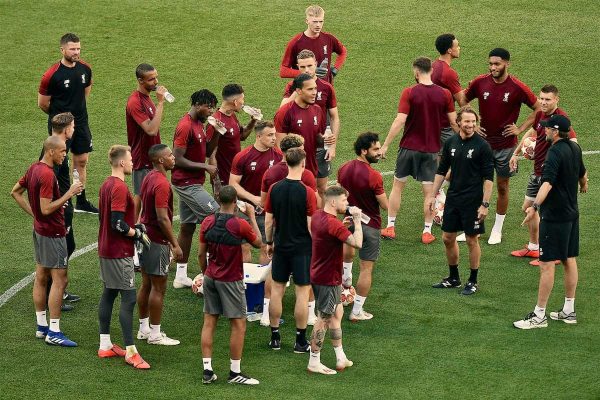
(270, 250)
(177, 253)
(141, 236)
(321, 72)
(347, 221)
(482, 212)
(430, 203)
(511, 130)
(250, 209)
(75, 189)
(480, 131)
(330, 153)
(384, 150)
(334, 71)
(513, 164)
(160, 93)
(584, 188)
(258, 111)
(211, 169)
(529, 213)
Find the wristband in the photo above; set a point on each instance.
(535, 207)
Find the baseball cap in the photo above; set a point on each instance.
(556, 121)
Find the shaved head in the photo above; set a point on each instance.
(52, 143)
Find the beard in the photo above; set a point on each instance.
(372, 159)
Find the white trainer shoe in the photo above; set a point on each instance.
(141, 335)
(570, 318)
(320, 369)
(163, 340)
(343, 364)
(495, 237)
(362, 316)
(461, 238)
(182, 282)
(531, 321)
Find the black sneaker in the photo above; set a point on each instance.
(301, 348)
(447, 283)
(208, 376)
(470, 288)
(66, 307)
(275, 344)
(85, 207)
(241, 379)
(70, 297)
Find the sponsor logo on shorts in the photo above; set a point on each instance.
(476, 224)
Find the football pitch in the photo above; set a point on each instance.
(422, 342)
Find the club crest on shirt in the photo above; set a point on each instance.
(486, 95)
(67, 82)
(82, 78)
(505, 99)
(452, 152)
(325, 49)
(299, 122)
(150, 110)
(253, 165)
(470, 153)
(319, 95)
(315, 120)
(231, 130)
(271, 162)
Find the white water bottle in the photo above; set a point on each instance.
(328, 133)
(241, 205)
(253, 112)
(76, 178)
(220, 128)
(169, 97)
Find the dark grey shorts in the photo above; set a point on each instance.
(371, 244)
(50, 252)
(421, 166)
(195, 203)
(156, 259)
(224, 298)
(324, 167)
(446, 134)
(138, 178)
(501, 162)
(533, 186)
(327, 298)
(117, 273)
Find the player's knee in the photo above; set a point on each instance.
(448, 239)
(472, 241)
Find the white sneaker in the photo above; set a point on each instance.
(461, 238)
(320, 369)
(343, 364)
(362, 316)
(163, 340)
(570, 318)
(182, 282)
(531, 321)
(495, 237)
(265, 322)
(141, 335)
(311, 320)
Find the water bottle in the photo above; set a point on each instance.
(327, 135)
(241, 205)
(213, 121)
(169, 97)
(253, 112)
(76, 178)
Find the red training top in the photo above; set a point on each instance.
(445, 76)
(328, 236)
(279, 171)
(189, 135)
(229, 143)
(251, 164)
(325, 95)
(114, 196)
(156, 193)
(140, 108)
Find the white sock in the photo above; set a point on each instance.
(498, 223)
(55, 325)
(539, 311)
(359, 302)
(235, 366)
(145, 324)
(181, 271)
(347, 275)
(569, 306)
(207, 363)
(136, 258)
(40, 316)
(130, 350)
(427, 228)
(391, 221)
(311, 310)
(154, 330)
(533, 246)
(315, 358)
(339, 354)
(265, 315)
(105, 343)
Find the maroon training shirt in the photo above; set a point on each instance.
(499, 105)
(325, 95)
(156, 193)
(40, 182)
(140, 108)
(114, 196)
(229, 143)
(225, 262)
(251, 165)
(445, 76)
(363, 184)
(279, 172)
(189, 135)
(426, 107)
(307, 122)
(328, 236)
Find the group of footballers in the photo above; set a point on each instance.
(273, 195)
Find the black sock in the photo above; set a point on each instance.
(453, 272)
(301, 336)
(275, 333)
(81, 197)
(473, 277)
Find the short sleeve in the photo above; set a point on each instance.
(287, 92)
(281, 123)
(487, 163)
(23, 181)
(404, 103)
(551, 166)
(118, 198)
(47, 185)
(332, 99)
(376, 182)
(135, 109)
(449, 101)
(162, 195)
(268, 207)
(246, 231)
(471, 90)
(311, 202)
(181, 134)
(309, 180)
(237, 165)
(337, 229)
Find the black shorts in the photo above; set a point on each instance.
(463, 218)
(81, 142)
(559, 240)
(286, 264)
